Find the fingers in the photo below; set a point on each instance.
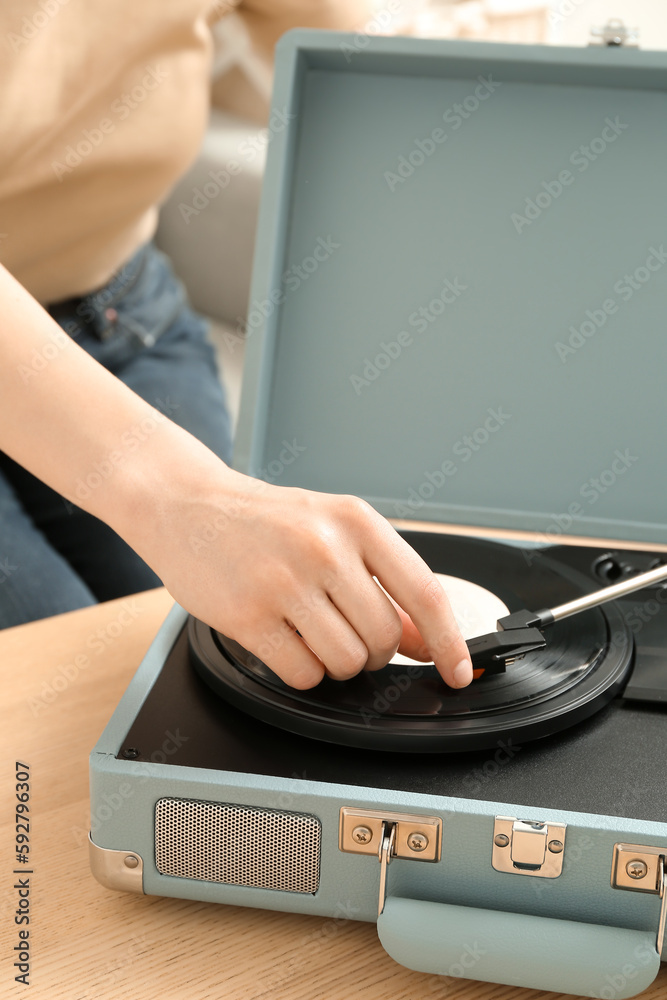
(372, 615)
(289, 657)
(328, 638)
(408, 579)
(325, 643)
(334, 640)
(346, 622)
(363, 633)
(412, 643)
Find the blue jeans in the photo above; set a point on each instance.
(53, 556)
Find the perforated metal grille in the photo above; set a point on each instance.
(237, 845)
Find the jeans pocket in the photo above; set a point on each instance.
(145, 307)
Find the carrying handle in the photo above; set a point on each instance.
(565, 956)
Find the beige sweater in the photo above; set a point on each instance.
(104, 103)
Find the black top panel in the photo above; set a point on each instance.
(612, 764)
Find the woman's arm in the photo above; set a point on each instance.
(253, 560)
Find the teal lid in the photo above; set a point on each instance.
(459, 297)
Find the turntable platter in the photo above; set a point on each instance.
(407, 706)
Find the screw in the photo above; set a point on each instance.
(501, 840)
(636, 868)
(131, 861)
(417, 842)
(362, 835)
(131, 753)
(555, 846)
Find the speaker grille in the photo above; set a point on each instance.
(237, 845)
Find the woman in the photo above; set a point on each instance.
(115, 432)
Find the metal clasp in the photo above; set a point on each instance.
(388, 835)
(385, 855)
(528, 847)
(643, 869)
(615, 34)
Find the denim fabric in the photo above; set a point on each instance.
(53, 556)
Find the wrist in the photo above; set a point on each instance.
(158, 480)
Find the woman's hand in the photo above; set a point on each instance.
(288, 574)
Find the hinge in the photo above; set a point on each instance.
(417, 837)
(642, 869)
(528, 847)
(388, 835)
(615, 34)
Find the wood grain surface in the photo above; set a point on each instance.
(62, 677)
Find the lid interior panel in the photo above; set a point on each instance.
(473, 292)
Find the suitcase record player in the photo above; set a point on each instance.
(457, 312)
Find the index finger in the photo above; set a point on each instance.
(411, 583)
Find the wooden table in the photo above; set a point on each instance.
(88, 943)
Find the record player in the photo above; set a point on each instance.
(457, 313)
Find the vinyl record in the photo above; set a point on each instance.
(408, 707)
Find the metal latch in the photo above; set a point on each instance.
(642, 869)
(615, 34)
(528, 847)
(389, 835)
